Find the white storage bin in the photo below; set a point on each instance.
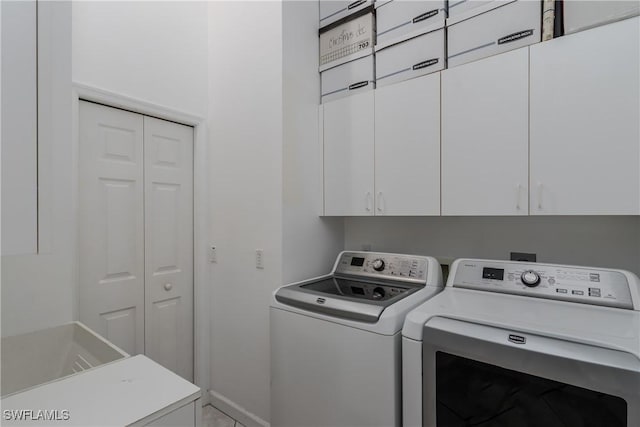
(412, 58)
(504, 28)
(332, 10)
(582, 14)
(468, 8)
(403, 19)
(378, 3)
(347, 79)
(346, 42)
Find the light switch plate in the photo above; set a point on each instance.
(259, 258)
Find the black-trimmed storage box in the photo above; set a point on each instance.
(499, 27)
(332, 10)
(457, 8)
(399, 20)
(346, 41)
(415, 57)
(348, 79)
(582, 15)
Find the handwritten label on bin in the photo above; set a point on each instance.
(346, 39)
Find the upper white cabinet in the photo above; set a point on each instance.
(382, 151)
(348, 156)
(585, 149)
(550, 129)
(485, 135)
(407, 147)
(19, 128)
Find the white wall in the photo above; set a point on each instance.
(152, 51)
(264, 93)
(310, 243)
(245, 121)
(604, 241)
(38, 290)
(19, 130)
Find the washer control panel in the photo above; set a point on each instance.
(406, 268)
(567, 283)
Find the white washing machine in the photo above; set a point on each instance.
(336, 340)
(525, 344)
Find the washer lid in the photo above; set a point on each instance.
(345, 298)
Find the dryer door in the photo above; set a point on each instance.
(482, 375)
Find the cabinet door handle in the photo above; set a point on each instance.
(379, 202)
(368, 201)
(518, 191)
(168, 286)
(540, 195)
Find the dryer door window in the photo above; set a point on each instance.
(472, 393)
(480, 375)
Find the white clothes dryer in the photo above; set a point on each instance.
(336, 340)
(527, 345)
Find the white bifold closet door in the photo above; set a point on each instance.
(168, 222)
(136, 233)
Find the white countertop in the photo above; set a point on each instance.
(135, 390)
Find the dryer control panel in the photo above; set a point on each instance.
(391, 267)
(566, 283)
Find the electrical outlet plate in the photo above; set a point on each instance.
(523, 256)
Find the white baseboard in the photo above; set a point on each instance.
(236, 411)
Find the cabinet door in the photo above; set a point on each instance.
(184, 417)
(348, 156)
(584, 123)
(485, 136)
(407, 147)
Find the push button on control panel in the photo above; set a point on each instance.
(594, 292)
(561, 291)
(577, 292)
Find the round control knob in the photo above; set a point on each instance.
(530, 278)
(378, 265)
(378, 293)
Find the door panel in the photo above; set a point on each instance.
(165, 315)
(120, 200)
(111, 258)
(169, 244)
(121, 325)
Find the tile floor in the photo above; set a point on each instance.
(212, 417)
